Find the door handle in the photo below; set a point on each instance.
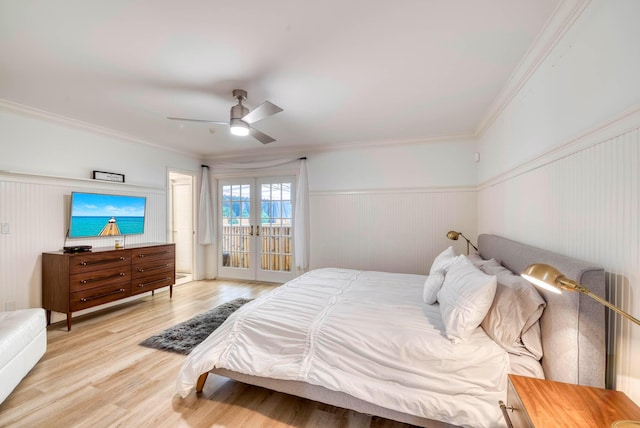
(251, 231)
(258, 230)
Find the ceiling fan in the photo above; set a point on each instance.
(242, 118)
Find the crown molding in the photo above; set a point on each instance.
(563, 17)
(301, 151)
(389, 143)
(24, 110)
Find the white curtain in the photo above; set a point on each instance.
(301, 209)
(205, 212)
(301, 219)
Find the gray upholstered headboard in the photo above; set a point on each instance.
(573, 325)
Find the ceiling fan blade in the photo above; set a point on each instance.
(198, 120)
(264, 110)
(261, 136)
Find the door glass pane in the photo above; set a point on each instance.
(236, 211)
(276, 221)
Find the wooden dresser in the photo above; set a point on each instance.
(75, 281)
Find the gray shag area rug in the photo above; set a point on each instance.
(183, 337)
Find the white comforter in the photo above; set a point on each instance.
(367, 334)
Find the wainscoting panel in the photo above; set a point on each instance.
(36, 210)
(394, 231)
(584, 204)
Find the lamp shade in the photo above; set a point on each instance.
(453, 235)
(544, 276)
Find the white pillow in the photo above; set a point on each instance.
(432, 285)
(465, 297)
(443, 260)
(437, 272)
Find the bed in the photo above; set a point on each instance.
(320, 337)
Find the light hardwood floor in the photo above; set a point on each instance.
(97, 375)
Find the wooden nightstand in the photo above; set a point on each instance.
(543, 403)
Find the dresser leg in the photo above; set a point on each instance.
(170, 291)
(68, 321)
(48, 317)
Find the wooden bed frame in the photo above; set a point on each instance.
(572, 325)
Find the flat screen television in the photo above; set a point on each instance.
(96, 215)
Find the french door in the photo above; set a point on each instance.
(255, 228)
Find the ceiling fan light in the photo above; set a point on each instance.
(240, 128)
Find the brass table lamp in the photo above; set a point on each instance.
(551, 279)
(453, 235)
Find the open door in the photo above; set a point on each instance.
(181, 223)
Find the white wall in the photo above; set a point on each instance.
(34, 145)
(34, 202)
(389, 207)
(559, 166)
(447, 163)
(591, 76)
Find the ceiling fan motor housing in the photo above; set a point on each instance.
(238, 111)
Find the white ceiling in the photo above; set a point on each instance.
(345, 72)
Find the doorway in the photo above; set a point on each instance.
(255, 228)
(181, 223)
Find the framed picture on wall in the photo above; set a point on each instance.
(108, 176)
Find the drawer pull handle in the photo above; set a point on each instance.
(153, 282)
(504, 409)
(154, 268)
(154, 254)
(86, 299)
(115, 275)
(98, 262)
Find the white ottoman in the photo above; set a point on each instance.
(23, 341)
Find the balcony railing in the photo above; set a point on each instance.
(274, 246)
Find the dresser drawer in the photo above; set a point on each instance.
(97, 278)
(152, 268)
(151, 282)
(96, 296)
(152, 254)
(515, 409)
(99, 261)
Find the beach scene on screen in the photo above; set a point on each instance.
(106, 215)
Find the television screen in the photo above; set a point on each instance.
(94, 214)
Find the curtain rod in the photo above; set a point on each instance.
(207, 166)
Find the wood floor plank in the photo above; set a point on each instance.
(97, 375)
